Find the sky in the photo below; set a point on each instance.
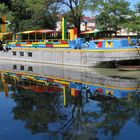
(133, 1)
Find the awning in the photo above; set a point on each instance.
(29, 32)
(38, 31)
(46, 31)
(91, 31)
(126, 34)
(6, 33)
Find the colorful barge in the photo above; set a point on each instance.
(72, 51)
(77, 52)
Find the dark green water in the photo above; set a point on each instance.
(30, 110)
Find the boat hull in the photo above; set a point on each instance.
(77, 57)
(128, 68)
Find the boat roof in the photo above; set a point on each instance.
(38, 31)
(97, 31)
(28, 32)
(6, 33)
(46, 31)
(91, 31)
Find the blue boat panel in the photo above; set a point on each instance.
(124, 43)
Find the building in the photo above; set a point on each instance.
(88, 23)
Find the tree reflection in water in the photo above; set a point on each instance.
(136, 108)
(46, 113)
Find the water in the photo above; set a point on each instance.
(63, 103)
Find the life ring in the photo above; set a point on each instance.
(87, 44)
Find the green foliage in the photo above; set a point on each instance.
(133, 24)
(113, 15)
(137, 7)
(4, 11)
(39, 14)
(30, 14)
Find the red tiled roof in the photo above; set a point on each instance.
(88, 18)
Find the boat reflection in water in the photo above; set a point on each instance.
(74, 105)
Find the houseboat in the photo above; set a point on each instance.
(77, 52)
(73, 51)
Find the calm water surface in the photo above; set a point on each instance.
(67, 104)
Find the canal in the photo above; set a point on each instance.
(46, 102)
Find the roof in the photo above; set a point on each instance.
(88, 18)
(38, 31)
(6, 33)
(91, 31)
(29, 32)
(96, 31)
(45, 31)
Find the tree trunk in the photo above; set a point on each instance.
(77, 24)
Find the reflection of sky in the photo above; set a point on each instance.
(88, 116)
(132, 129)
(13, 129)
(6, 117)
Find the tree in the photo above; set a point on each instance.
(76, 9)
(137, 7)
(113, 14)
(7, 3)
(33, 14)
(52, 12)
(133, 23)
(4, 11)
(20, 12)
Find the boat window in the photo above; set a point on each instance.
(21, 53)
(21, 67)
(14, 53)
(30, 68)
(14, 66)
(29, 54)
